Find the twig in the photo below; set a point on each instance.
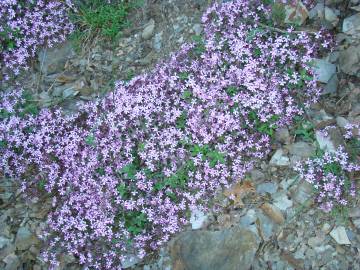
(286, 32)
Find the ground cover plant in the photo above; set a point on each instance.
(25, 26)
(126, 170)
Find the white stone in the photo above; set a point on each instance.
(279, 159)
(340, 236)
(198, 219)
(324, 70)
(324, 142)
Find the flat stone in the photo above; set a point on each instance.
(12, 262)
(282, 135)
(24, 238)
(324, 70)
(148, 31)
(302, 149)
(296, 14)
(129, 261)
(198, 219)
(303, 192)
(282, 201)
(349, 60)
(340, 236)
(351, 25)
(325, 143)
(220, 250)
(279, 159)
(52, 60)
(267, 187)
(332, 85)
(331, 16)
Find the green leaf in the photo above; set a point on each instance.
(90, 140)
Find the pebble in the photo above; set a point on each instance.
(198, 219)
(340, 236)
(148, 31)
(279, 158)
(24, 238)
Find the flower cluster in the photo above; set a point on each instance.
(329, 174)
(126, 170)
(27, 25)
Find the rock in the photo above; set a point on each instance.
(148, 31)
(349, 60)
(357, 223)
(24, 238)
(273, 212)
(12, 262)
(331, 16)
(351, 25)
(157, 43)
(282, 135)
(340, 236)
(220, 250)
(52, 60)
(354, 212)
(317, 11)
(279, 159)
(342, 121)
(296, 14)
(4, 242)
(129, 261)
(302, 149)
(257, 175)
(282, 201)
(198, 219)
(323, 70)
(197, 29)
(303, 193)
(266, 226)
(316, 241)
(332, 85)
(69, 92)
(324, 142)
(326, 228)
(267, 187)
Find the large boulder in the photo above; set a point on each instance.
(230, 249)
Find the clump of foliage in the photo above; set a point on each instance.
(329, 174)
(126, 170)
(25, 26)
(100, 18)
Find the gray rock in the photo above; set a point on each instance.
(267, 226)
(340, 236)
(220, 250)
(324, 70)
(267, 187)
(282, 201)
(331, 16)
(257, 175)
(52, 60)
(24, 238)
(302, 192)
(279, 159)
(157, 43)
(351, 25)
(357, 223)
(349, 60)
(198, 219)
(148, 31)
(302, 149)
(197, 28)
(332, 85)
(325, 143)
(4, 242)
(12, 262)
(129, 261)
(282, 135)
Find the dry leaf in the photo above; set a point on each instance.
(273, 212)
(238, 191)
